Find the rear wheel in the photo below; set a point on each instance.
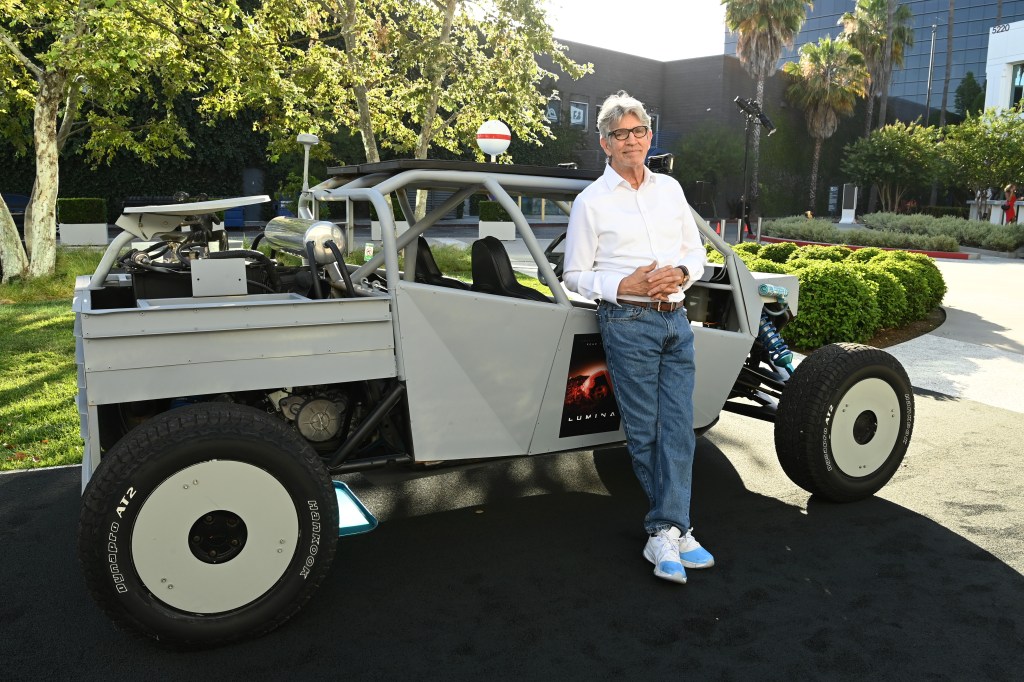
(207, 524)
(844, 422)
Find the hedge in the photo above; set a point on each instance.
(491, 211)
(848, 295)
(90, 210)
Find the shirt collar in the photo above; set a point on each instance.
(612, 179)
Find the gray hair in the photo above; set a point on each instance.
(617, 107)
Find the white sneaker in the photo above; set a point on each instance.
(662, 550)
(692, 555)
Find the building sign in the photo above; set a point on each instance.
(553, 111)
(578, 114)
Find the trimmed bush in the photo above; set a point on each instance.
(778, 252)
(713, 255)
(891, 299)
(864, 255)
(765, 265)
(89, 210)
(491, 211)
(836, 254)
(915, 284)
(751, 248)
(1004, 238)
(837, 303)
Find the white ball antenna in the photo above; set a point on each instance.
(493, 138)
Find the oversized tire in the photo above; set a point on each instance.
(844, 421)
(207, 524)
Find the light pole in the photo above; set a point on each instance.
(931, 63)
(751, 109)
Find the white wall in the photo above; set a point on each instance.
(1005, 48)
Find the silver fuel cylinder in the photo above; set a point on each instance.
(291, 234)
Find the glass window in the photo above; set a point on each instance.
(578, 114)
(1017, 87)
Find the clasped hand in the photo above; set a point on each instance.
(654, 282)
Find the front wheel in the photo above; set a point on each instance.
(844, 421)
(207, 524)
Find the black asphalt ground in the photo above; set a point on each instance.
(532, 569)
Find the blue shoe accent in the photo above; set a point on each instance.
(697, 558)
(671, 570)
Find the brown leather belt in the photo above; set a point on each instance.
(660, 306)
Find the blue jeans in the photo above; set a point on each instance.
(651, 359)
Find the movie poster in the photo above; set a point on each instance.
(589, 401)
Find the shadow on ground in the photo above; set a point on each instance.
(554, 583)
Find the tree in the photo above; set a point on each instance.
(827, 81)
(764, 27)
(895, 158)
(410, 75)
(881, 31)
(970, 97)
(984, 150)
(76, 69)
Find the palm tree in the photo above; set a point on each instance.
(827, 81)
(881, 30)
(764, 27)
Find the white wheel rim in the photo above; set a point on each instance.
(867, 397)
(166, 564)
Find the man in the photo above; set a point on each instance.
(633, 246)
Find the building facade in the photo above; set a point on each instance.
(1005, 68)
(973, 21)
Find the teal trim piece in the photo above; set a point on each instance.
(353, 517)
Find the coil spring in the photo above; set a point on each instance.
(773, 343)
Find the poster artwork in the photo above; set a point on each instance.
(589, 401)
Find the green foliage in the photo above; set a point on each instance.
(492, 211)
(563, 146)
(765, 265)
(834, 254)
(800, 228)
(915, 284)
(985, 150)
(891, 298)
(747, 248)
(713, 152)
(897, 157)
(86, 210)
(837, 303)
(778, 252)
(864, 255)
(968, 94)
(714, 256)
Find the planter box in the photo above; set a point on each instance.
(83, 234)
(401, 225)
(505, 231)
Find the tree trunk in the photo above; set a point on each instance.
(754, 190)
(949, 66)
(887, 65)
(366, 125)
(13, 261)
(41, 221)
(869, 114)
(814, 175)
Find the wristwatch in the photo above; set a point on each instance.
(686, 272)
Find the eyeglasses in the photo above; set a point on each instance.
(623, 133)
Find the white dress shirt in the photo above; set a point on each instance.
(614, 229)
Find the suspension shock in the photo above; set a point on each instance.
(774, 344)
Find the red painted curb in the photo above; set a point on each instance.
(949, 255)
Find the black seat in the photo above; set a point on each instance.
(427, 271)
(493, 273)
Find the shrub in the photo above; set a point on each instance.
(751, 248)
(891, 299)
(835, 254)
(765, 265)
(1004, 238)
(915, 285)
(864, 255)
(932, 275)
(713, 254)
(837, 303)
(778, 252)
(82, 210)
(491, 211)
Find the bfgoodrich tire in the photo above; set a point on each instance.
(844, 421)
(207, 524)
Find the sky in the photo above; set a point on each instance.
(665, 29)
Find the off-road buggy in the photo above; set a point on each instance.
(220, 390)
